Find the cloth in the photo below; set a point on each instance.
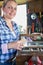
(9, 63)
(6, 36)
(6, 63)
(35, 60)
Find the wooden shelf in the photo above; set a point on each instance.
(30, 35)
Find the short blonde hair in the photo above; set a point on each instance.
(6, 1)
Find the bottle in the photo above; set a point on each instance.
(36, 27)
(29, 30)
(32, 27)
(40, 27)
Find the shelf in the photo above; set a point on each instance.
(30, 34)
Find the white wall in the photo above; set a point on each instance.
(21, 16)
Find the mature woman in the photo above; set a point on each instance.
(9, 34)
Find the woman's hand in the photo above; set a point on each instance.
(16, 45)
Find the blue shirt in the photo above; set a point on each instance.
(6, 36)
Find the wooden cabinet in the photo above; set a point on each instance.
(20, 60)
(36, 5)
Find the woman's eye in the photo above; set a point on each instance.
(12, 8)
(9, 7)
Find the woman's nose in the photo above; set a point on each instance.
(12, 9)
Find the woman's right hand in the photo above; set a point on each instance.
(16, 45)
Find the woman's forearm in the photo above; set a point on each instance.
(11, 45)
(16, 45)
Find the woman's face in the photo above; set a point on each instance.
(10, 9)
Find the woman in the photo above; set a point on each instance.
(9, 34)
